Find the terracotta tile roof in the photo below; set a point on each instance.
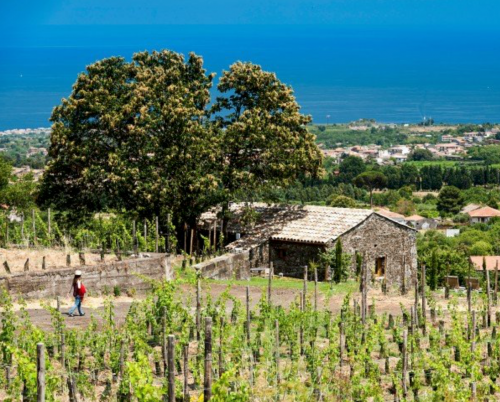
(470, 207)
(491, 261)
(485, 212)
(321, 224)
(389, 214)
(294, 223)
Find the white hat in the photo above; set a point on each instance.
(78, 273)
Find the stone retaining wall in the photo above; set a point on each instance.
(97, 278)
(235, 265)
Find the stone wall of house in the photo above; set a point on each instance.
(290, 258)
(124, 274)
(235, 265)
(378, 237)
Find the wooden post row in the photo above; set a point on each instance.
(171, 369)
(207, 383)
(40, 371)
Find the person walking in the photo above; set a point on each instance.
(78, 290)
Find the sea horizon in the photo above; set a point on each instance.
(390, 74)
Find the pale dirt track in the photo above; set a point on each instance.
(93, 306)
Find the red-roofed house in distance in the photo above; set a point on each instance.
(483, 215)
(492, 261)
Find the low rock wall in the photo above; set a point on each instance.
(126, 275)
(227, 266)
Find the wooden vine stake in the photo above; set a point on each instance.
(469, 291)
(315, 289)
(7, 376)
(221, 365)
(305, 282)
(403, 276)
(269, 283)
(198, 308)
(156, 234)
(495, 295)
(488, 298)
(62, 350)
(301, 329)
(277, 358)
(171, 369)
(34, 225)
(191, 242)
(364, 291)
(44, 264)
(164, 351)
(424, 307)
(6, 266)
(40, 372)
(405, 362)
(27, 265)
(472, 332)
(207, 383)
(49, 225)
(248, 315)
(342, 343)
(416, 301)
(185, 370)
(72, 389)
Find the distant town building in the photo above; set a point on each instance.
(420, 223)
(483, 215)
(36, 151)
(491, 261)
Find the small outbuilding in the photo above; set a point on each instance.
(420, 223)
(293, 236)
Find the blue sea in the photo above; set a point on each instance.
(389, 74)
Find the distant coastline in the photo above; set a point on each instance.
(22, 131)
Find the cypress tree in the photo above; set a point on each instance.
(433, 271)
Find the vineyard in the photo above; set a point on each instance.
(233, 349)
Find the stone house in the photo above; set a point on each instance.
(293, 236)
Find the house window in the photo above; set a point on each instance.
(380, 267)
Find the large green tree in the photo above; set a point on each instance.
(263, 136)
(350, 167)
(139, 136)
(371, 180)
(132, 135)
(450, 201)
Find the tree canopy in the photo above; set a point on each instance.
(450, 200)
(263, 135)
(371, 180)
(140, 136)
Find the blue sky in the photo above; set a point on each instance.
(438, 13)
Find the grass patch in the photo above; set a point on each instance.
(433, 163)
(292, 283)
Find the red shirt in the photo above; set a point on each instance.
(79, 289)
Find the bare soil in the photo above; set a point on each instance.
(54, 258)
(93, 306)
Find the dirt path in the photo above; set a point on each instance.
(93, 306)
